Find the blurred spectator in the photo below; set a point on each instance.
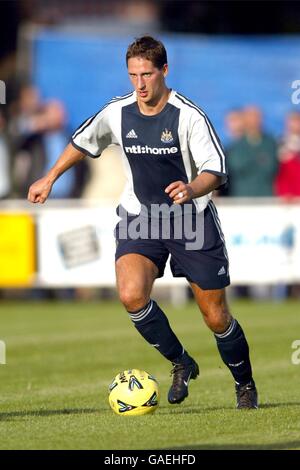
(287, 182)
(38, 131)
(252, 159)
(234, 123)
(51, 123)
(5, 174)
(252, 165)
(29, 157)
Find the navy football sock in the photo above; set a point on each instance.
(153, 325)
(234, 350)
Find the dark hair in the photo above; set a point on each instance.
(148, 48)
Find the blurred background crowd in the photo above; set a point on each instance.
(34, 129)
(32, 135)
(34, 132)
(258, 164)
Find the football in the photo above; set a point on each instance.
(133, 392)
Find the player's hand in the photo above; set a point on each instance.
(180, 192)
(40, 190)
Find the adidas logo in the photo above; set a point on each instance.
(221, 271)
(131, 134)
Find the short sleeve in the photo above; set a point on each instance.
(93, 135)
(205, 146)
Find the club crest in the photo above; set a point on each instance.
(166, 136)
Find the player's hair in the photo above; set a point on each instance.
(148, 48)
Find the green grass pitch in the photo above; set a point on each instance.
(61, 358)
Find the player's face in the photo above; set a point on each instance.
(147, 80)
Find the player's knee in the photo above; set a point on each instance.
(217, 319)
(133, 298)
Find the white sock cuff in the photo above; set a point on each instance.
(141, 314)
(228, 331)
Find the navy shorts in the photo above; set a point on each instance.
(206, 266)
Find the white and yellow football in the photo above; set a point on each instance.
(133, 392)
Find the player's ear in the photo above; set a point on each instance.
(165, 70)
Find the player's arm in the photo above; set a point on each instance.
(203, 184)
(40, 190)
(207, 153)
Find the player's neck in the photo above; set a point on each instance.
(156, 105)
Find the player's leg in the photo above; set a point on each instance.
(214, 307)
(138, 263)
(231, 342)
(206, 268)
(135, 277)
